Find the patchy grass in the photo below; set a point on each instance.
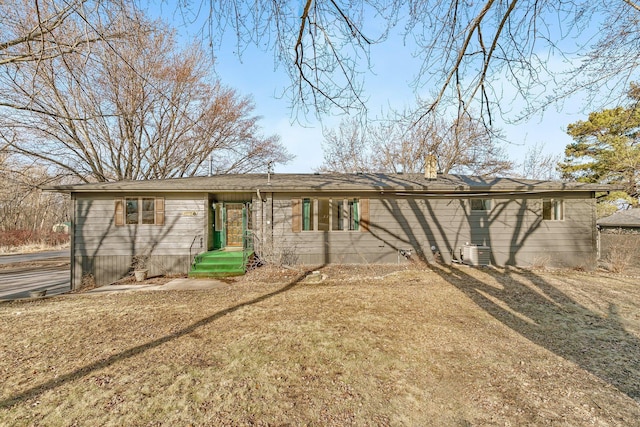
(365, 346)
(32, 248)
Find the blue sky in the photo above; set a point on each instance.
(394, 68)
(387, 87)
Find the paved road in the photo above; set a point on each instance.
(53, 276)
(8, 259)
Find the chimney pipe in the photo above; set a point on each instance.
(430, 167)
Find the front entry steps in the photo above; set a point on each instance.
(220, 263)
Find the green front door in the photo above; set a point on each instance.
(219, 230)
(230, 221)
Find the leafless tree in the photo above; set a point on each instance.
(538, 165)
(463, 146)
(37, 31)
(23, 205)
(134, 108)
(470, 50)
(347, 148)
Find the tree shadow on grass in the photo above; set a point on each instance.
(537, 310)
(134, 351)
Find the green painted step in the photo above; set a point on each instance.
(220, 263)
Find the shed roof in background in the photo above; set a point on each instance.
(626, 218)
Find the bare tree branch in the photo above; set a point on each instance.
(463, 146)
(135, 108)
(539, 51)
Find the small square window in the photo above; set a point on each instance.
(552, 210)
(139, 210)
(480, 204)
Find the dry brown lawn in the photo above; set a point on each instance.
(376, 345)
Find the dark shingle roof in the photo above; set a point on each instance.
(626, 218)
(334, 182)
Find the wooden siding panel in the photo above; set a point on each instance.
(159, 214)
(233, 197)
(108, 269)
(296, 215)
(364, 215)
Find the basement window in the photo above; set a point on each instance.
(552, 210)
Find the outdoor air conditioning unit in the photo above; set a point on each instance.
(476, 255)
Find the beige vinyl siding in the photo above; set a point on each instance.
(97, 235)
(513, 228)
(105, 250)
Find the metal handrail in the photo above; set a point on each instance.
(191, 258)
(247, 245)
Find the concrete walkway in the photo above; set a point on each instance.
(175, 284)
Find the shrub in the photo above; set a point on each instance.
(18, 238)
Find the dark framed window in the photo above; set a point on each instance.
(552, 209)
(148, 211)
(139, 210)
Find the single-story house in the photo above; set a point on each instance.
(328, 218)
